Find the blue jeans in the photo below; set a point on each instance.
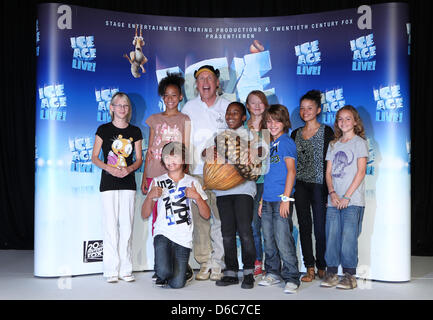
(343, 228)
(171, 261)
(279, 243)
(257, 223)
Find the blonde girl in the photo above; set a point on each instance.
(119, 141)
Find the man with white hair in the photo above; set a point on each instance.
(207, 114)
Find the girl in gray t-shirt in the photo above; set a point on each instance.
(345, 171)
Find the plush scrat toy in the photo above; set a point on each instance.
(120, 150)
(136, 58)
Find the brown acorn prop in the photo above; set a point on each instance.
(220, 176)
(235, 150)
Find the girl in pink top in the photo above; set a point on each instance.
(167, 126)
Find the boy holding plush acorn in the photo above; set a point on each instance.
(235, 204)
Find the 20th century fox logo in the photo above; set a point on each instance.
(93, 251)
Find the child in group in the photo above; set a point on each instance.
(277, 206)
(235, 207)
(174, 224)
(346, 164)
(164, 127)
(312, 142)
(256, 104)
(119, 140)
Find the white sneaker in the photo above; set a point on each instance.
(290, 287)
(268, 280)
(112, 279)
(127, 278)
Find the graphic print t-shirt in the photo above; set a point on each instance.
(118, 150)
(166, 129)
(275, 180)
(344, 157)
(174, 219)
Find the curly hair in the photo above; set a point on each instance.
(240, 105)
(358, 129)
(313, 95)
(172, 79)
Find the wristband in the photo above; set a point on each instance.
(331, 192)
(285, 198)
(347, 198)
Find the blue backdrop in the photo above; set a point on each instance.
(358, 56)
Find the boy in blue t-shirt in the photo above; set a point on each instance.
(277, 204)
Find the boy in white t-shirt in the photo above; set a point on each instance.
(172, 237)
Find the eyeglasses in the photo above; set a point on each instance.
(209, 77)
(125, 106)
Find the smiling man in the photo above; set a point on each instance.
(207, 113)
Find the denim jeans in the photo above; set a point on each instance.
(257, 223)
(312, 197)
(171, 261)
(343, 228)
(236, 212)
(279, 243)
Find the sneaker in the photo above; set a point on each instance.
(112, 279)
(248, 282)
(127, 278)
(257, 268)
(227, 281)
(290, 287)
(268, 280)
(203, 274)
(216, 273)
(189, 274)
(331, 280)
(160, 283)
(154, 277)
(347, 282)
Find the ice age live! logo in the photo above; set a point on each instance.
(332, 101)
(53, 102)
(103, 98)
(364, 50)
(308, 58)
(389, 104)
(84, 53)
(81, 149)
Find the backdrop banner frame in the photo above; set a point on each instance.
(357, 56)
